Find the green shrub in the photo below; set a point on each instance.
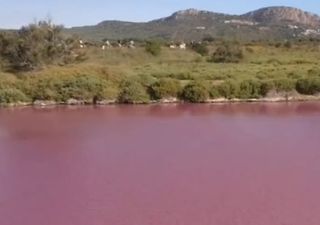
(195, 92)
(287, 44)
(208, 38)
(274, 61)
(308, 86)
(35, 45)
(41, 88)
(214, 92)
(8, 81)
(314, 72)
(145, 79)
(63, 88)
(165, 88)
(249, 49)
(12, 95)
(82, 87)
(182, 76)
(278, 45)
(229, 89)
(85, 87)
(293, 75)
(227, 54)
(200, 48)
(132, 92)
(153, 47)
(285, 85)
(266, 87)
(250, 89)
(107, 91)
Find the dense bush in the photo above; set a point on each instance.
(165, 88)
(8, 81)
(12, 95)
(145, 79)
(227, 54)
(208, 38)
(132, 92)
(277, 45)
(308, 86)
(287, 44)
(214, 92)
(107, 91)
(249, 89)
(182, 76)
(41, 88)
(153, 47)
(81, 87)
(200, 48)
(195, 92)
(87, 88)
(229, 89)
(284, 85)
(35, 45)
(266, 87)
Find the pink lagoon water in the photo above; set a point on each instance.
(240, 164)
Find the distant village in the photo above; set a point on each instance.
(131, 44)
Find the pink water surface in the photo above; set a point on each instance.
(239, 164)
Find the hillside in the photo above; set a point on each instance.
(274, 15)
(272, 23)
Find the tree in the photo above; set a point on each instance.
(34, 45)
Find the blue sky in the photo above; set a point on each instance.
(14, 13)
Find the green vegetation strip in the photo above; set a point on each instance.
(39, 64)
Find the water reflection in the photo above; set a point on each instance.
(174, 110)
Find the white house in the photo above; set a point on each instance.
(131, 44)
(107, 44)
(183, 46)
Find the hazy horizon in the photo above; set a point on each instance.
(14, 14)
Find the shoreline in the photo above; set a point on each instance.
(73, 102)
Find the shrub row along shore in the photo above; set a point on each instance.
(90, 89)
(40, 65)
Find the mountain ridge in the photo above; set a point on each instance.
(277, 22)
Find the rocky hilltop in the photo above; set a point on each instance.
(276, 15)
(272, 23)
